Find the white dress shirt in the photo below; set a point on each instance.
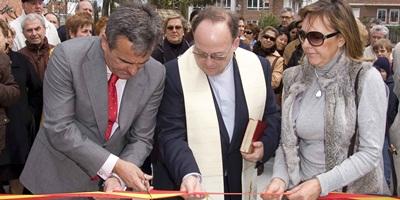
(106, 170)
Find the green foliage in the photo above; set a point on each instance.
(181, 5)
(268, 19)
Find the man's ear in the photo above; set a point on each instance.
(236, 43)
(104, 42)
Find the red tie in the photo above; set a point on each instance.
(112, 105)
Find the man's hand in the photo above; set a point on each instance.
(310, 189)
(132, 176)
(257, 154)
(112, 184)
(191, 184)
(274, 190)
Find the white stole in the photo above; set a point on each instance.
(202, 123)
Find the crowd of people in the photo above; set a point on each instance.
(134, 102)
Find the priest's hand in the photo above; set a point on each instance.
(132, 176)
(192, 186)
(257, 153)
(310, 189)
(274, 190)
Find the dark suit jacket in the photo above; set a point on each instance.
(172, 137)
(70, 147)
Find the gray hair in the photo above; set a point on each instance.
(380, 29)
(32, 17)
(140, 23)
(287, 9)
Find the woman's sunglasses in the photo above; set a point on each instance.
(315, 38)
(269, 37)
(248, 32)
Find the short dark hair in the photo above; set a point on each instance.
(139, 22)
(215, 14)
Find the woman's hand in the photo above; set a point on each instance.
(309, 190)
(274, 190)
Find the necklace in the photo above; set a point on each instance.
(319, 93)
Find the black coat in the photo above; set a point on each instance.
(172, 138)
(167, 51)
(24, 113)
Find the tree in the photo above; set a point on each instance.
(181, 5)
(268, 19)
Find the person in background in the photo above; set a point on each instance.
(281, 42)
(79, 25)
(242, 24)
(286, 17)
(293, 52)
(24, 116)
(37, 48)
(203, 114)
(52, 18)
(189, 35)
(383, 65)
(266, 47)
(328, 100)
(383, 48)
(377, 32)
(32, 6)
(9, 90)
(394, 131)
(101, 96)
(174, 43)
(101, 25)
(292, 29)
(251, 32)
(83, 6)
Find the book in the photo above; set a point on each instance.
(254, 131)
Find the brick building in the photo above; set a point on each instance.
(388, 11)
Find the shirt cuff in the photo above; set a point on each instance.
(195, 174)
(106, 170)
(324, 184)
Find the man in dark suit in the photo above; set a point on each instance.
(93, 130)
(211, 91)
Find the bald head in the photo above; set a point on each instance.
(84, 6)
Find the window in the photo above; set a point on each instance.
(394, 15)
(356, 12)
(381, 14)
(257, 4)
(226, 3)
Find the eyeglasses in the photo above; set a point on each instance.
(315, 38)
(268, 37)
(218, 56)
(248, 32)
(172, 28)
(286, 17)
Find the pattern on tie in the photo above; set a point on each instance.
(112, 105)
